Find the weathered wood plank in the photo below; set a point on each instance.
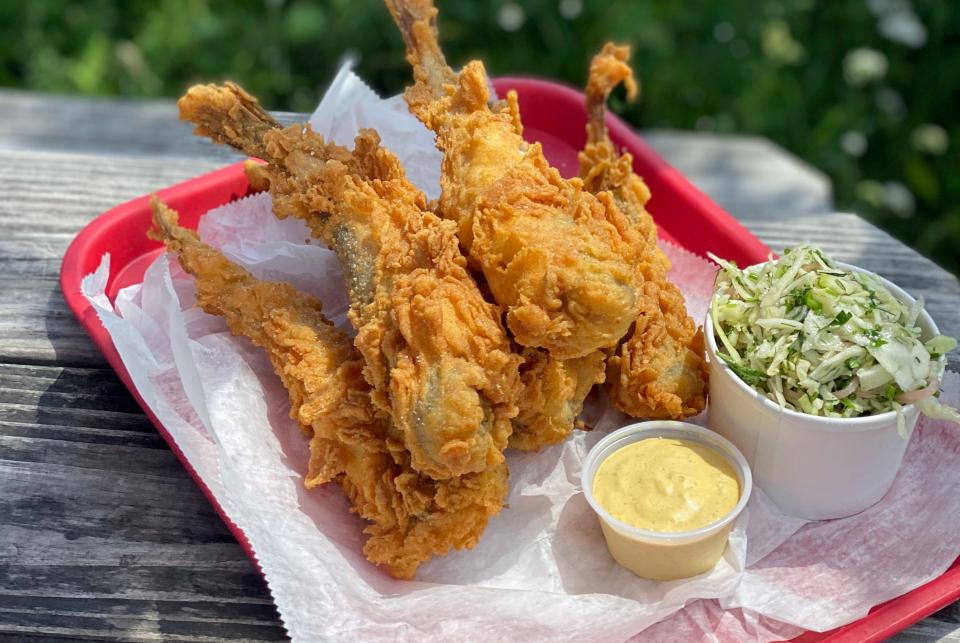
(38, 328)
(72, 385)
(721, 165)
(58, 403)
(138, 627)
(156, 582)
(67, 501)
(48, 197)
(102, 535)
(105, 127)
(747, 176)
(187, 601)
(252, 611)
(126, 128)
(929, 630)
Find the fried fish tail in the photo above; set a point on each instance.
(601, 168)
(554, 256)
(229, 115)
(317, 363)
(417, 22)
(435, 352)
(658, 371)
(608, 69)
(412, 517)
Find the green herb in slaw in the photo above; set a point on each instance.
(818, 339)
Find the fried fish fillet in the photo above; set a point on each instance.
(559, 259)
(435, 351)
(412, 516)
(658, 371)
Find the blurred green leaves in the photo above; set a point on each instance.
(866, 90)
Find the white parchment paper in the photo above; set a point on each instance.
(541, 571)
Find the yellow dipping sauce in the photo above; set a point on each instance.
(666, 485)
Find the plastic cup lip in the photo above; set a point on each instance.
(864, 423)
(684, 430)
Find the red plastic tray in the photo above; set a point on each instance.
(554, 115)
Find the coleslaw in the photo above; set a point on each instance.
(818, 339)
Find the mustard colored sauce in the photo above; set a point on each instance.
(666, 485)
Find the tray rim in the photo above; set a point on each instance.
(227, 184)
(75, 266)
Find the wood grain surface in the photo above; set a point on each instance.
(102, 533)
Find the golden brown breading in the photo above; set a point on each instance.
(412, 517)
(552, 396)
(559, 259)
(435, 351)
(658, 371)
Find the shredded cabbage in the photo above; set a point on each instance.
(818, 339)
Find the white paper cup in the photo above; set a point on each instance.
(662, 555)
(812, 467)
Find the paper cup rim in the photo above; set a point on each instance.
(699, 435)
(863, 423)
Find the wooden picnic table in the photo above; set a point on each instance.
(103, 535)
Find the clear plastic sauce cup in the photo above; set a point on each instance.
(665, 555)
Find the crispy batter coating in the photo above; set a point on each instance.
(553, 395)
(559, 259)
(658, 371)
(435, 351)
(412, 516)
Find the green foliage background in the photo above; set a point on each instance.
(832, 81)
